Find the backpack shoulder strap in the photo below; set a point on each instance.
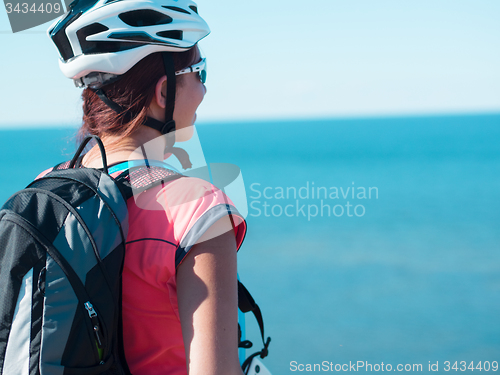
(141, 175)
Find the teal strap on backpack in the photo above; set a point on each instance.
(141, 163)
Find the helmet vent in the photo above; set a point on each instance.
(92, 47)
(60, 39)
(177, 9)
(109, 47)
(136, 37)
(171, 34)
(86, 31)
(194, 9)
(139, 18)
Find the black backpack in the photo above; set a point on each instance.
(62, 243)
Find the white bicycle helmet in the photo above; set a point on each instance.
(99, 40)
(111, 36)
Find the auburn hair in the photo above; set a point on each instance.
(134, 90)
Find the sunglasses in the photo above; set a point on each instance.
(199, 68)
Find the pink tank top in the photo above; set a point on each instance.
(164, 223)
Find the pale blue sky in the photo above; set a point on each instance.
(308, 59)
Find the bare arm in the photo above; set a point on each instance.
(208, 301)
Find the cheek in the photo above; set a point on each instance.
(188, 97)
(200, 92)
(195, 98)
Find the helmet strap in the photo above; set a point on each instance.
(168, 63)
(111, 104)
(169, 124)
(167, 127)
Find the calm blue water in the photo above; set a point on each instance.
(415, 279)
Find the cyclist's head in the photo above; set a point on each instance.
(118, 50)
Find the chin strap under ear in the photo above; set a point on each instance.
(168, 127)
(168, 63)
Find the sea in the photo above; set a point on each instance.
(373, 244)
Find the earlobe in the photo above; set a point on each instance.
(161, 88)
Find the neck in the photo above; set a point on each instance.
(119, 149)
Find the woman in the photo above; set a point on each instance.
(144, 79)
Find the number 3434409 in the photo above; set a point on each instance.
(464, 366)
(33, 8)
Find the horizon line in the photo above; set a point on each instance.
(317, 118)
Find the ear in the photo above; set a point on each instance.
(161, 91)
